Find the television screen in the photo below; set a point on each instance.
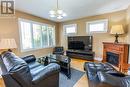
(80, 43)
(77, 45)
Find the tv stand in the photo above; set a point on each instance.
(82, 54)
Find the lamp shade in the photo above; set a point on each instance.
(117, 29)
(7, 44)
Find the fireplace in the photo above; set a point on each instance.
(112, 58)
(116, 54)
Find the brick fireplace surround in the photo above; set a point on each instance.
(120, 49)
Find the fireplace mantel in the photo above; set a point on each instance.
(118, 48)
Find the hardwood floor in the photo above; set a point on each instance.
(77, 64)
(1, 83)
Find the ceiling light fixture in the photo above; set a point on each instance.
(57, 13)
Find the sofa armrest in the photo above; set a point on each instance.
(29, 58)
(114, 80)
(48, 71)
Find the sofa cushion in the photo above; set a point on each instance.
(11, 61)
(43, 73)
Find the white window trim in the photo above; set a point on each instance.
(54, 36)
(69, 25)
(39, 23)
(33, 22)
(97, 21)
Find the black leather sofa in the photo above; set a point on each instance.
(18, 73)
(104, 75)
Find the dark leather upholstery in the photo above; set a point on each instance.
(19, 73)
(29, 58)
(115, 80)
(92, 70)
(58, 50)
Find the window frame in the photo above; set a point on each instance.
(105, 21)
(31, 25)
(69, 25)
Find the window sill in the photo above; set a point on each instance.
(97, 32)
(71, 34)
(34, 49)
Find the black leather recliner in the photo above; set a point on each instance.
(18, 73)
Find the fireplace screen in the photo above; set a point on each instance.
(112, 58)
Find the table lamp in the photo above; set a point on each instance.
(8, 44)
(117, 30)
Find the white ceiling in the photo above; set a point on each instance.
(74, 8)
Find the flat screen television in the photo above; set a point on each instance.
(80, 43)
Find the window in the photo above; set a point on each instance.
(99, 26)
(45, 36)
(50, 36)
(26, 35)
(35, 35)
(70, 29)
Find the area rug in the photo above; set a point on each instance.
(75, 76)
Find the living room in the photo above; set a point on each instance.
(91, 37)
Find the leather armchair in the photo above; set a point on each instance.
(19, 73)
(58, 50)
